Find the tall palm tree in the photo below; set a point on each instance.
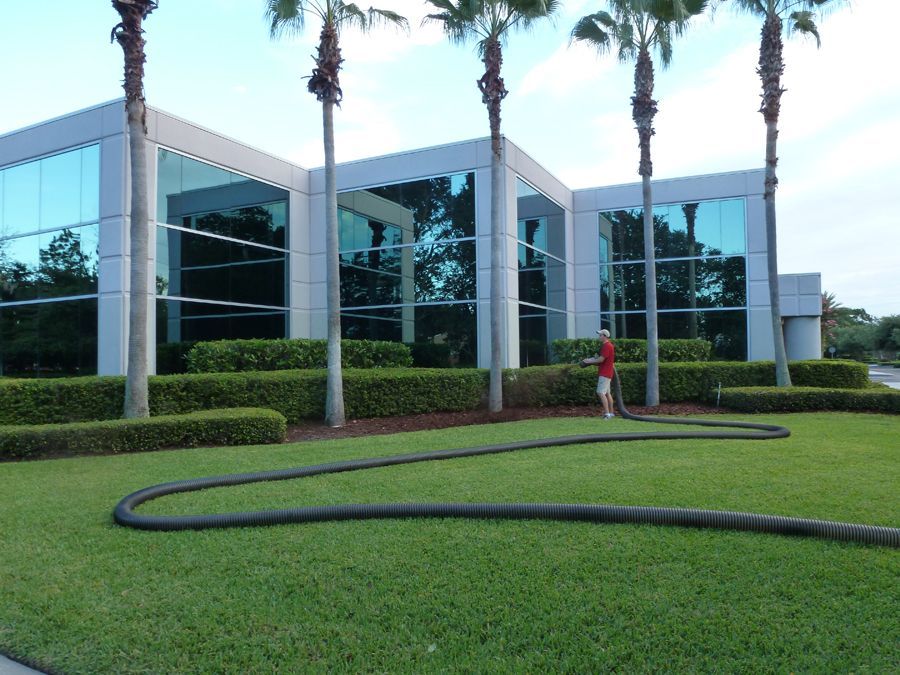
(288, 16)
(635, 27)
(490, 22)
(129, 34)
(801, 18)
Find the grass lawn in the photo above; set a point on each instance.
(79, 594)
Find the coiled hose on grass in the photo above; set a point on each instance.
(598, 513)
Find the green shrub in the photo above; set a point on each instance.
(300, 394)
(571, 385)
(297, 394)
(630, 350)
(240, 426)
(809, 399)
(230, 356)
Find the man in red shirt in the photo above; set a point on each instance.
(605, 361)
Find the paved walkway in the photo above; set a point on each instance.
(8, 667)
(885, 374)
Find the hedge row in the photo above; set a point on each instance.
(570, 385)
(241, 426)
(297, 394)
(300, 394)
(629, 350)
(234, 356)
(802, 399)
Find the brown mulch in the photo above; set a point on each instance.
(314, 431)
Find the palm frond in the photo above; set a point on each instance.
(803, 22)
(285, 17)
(386, 17)
(664, 44)
(595, 30)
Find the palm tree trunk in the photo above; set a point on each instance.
(129, 35)
(334, 396)
(492, 93)
(136, 388)
(771, 67)
(643, 110)
(690, 214)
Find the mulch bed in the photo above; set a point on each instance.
(314, 431)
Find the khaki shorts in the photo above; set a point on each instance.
(603, 385)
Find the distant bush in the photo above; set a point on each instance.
(629, 350)
(242, 426)
(233, 356)
(807, 399)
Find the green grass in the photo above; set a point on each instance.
(79, 594)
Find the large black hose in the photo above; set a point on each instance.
(728, 520)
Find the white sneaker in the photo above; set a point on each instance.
(608, 416)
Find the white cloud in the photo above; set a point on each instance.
(567, 69)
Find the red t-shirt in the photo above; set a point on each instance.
(608, 352)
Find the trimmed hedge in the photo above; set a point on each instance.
(300, 394)
(803, 399)
(629, 350)
(571, 385)
(240, 426)
(234, 356)
(297, 394)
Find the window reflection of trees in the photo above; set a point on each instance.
(426, 269)
(66, 266)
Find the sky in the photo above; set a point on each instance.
(212, 62)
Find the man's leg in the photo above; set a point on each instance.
(610, 404)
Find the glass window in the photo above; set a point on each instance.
(420, 211)
(197, 196)
(441, 335)
(178, 321)
(90, 184)
(49, 193)
(541, 221)
(425, 273)
(50, 264)
(61, 190)
(709, 228)
(198, 266)
(726, 330)
(51, 339)
(537, 331)
(22, 198)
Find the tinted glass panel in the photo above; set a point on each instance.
(541, 221)
(178, 321)
(423, 210)
(49, 193)
(445, 334)
(52, 339)
(726, 330)
(537, 331)
(426, 273)
(198, 196)
(22, 199)
(198, 266)
(50, 264)
(61, 190)
(709, 228)
(542, 279)
(710, 282)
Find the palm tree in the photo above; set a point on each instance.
(287, 16)
(129, 34)
(490, 22)
(801, 18)
(636, 27)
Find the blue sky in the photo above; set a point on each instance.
(212, 62)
